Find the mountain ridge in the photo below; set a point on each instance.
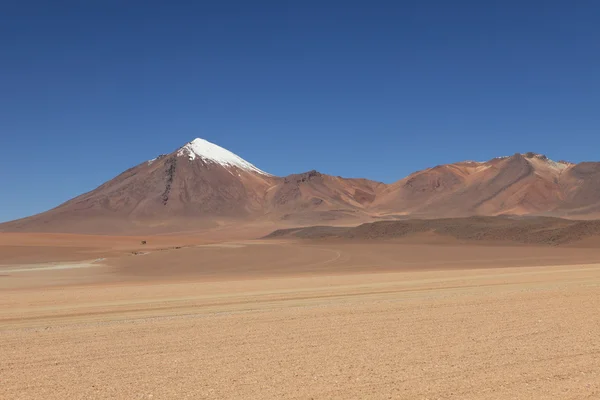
(202, 186)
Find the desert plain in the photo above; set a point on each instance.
(191, 316)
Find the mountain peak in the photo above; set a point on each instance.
(560, 165)
(531, 154)
(210, 152)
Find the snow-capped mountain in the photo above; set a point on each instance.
(200, 185)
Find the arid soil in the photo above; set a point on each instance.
(427, 318)
(526, 230)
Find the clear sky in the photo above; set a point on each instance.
(374, 89)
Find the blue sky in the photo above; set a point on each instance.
(374, 89)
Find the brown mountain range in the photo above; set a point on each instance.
(202, 186)
(521, 184)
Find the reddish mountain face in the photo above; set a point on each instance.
(202, 185)
(521, 184)
(580, 185)
(197, 185)
(312, 197)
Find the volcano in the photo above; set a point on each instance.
(200, 186)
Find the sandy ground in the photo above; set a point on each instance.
(284, 320)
